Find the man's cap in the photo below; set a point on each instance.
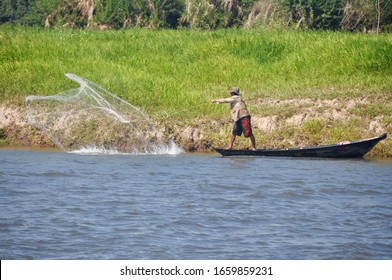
(235, 90)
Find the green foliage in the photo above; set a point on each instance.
(213, 14)
(138, 13)
(27, 12)
(329, 14)
(13, 10)
(201, 14)
(316, 14)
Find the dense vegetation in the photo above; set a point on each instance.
(338, 85)
(362, 15)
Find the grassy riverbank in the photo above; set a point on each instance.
(302, 87)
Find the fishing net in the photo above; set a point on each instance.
(91, 116)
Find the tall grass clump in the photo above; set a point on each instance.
(157, 63)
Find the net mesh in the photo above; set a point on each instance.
(91, 116)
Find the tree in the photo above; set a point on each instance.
(6, 11)
(328, 14)
(384, 11)
(353, 15)
(138, 13)
(215, 13)
(14, 10)
(367, 15)
(315, 14)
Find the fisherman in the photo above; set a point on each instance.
(240, 115)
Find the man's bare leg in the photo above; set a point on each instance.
(253, 140)
(232, 139)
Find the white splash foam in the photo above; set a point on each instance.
(94, 150)
(170, 149)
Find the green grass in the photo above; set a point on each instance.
(172, 74)
(173, 70)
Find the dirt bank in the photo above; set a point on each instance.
(276, 123)
(15, 130)
(296, 122)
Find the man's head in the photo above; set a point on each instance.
(235, 91)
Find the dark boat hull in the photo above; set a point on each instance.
(355, 149)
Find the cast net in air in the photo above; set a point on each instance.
(92, 118)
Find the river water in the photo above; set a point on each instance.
(57, 205)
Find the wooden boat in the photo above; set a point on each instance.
(354, 149)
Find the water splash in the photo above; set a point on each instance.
(90, 119)
(170, 149)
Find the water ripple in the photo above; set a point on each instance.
(192, 207)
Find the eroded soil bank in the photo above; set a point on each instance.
(276, 123)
